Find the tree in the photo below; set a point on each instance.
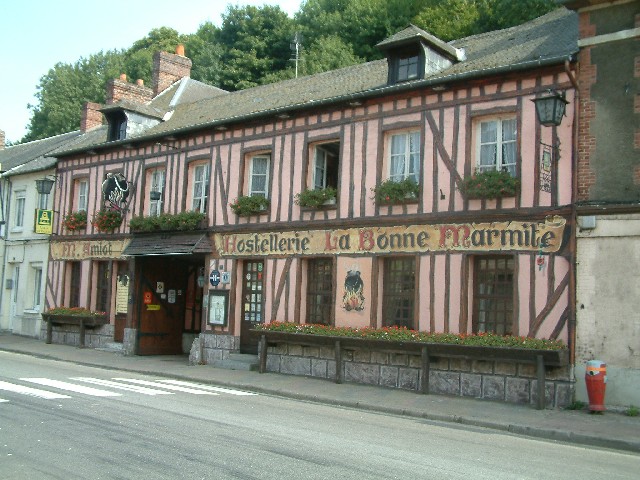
(450, 19)
(206, 54)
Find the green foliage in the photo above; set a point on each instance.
(106, 220)
(632, 411)
(490, 184)
(576, 405)
(402, 334)
(74, 221)
(249, 205)
(182, 221)
(74, 312)
(315, 198)
(391, 191)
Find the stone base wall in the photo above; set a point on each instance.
(208, 348)
(491, 380)
(96, 337)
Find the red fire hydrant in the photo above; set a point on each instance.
(596, 380)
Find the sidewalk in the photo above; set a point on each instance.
(609, 430)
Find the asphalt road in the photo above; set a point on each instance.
(63, 421)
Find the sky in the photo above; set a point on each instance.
(37, 34)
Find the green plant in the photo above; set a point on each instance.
(74, 311)
(632, 411)
(249, 204)
(316, 197)
(576, 405)
(392, 191)
(106, 220)
(401, 334)
(490, 184)
(75, 220)
(182, 221)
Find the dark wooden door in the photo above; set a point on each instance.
(252, 304)
(163, 285)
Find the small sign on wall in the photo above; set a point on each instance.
(218, 307)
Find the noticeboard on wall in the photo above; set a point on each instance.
(218, 307)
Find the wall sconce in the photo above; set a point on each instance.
(155, 195)
(550, 108)
(44, 185)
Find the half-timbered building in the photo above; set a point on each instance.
(446, 205)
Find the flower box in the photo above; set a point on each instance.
(166, 222)
(316, 198)
(490, 184)
(75, 221)
(246, 205)
(107, 220)
(392, 192)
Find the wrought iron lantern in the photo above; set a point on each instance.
(44, 186)
(155, 195)
(550, 108)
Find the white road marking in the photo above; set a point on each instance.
(72, 387)
(207, 387)
(166, 386)
(2, 400)
(32, 392)
(122, 386)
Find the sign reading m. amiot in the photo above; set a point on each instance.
(526, 236)
(43, 221)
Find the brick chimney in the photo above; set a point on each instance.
(168, 68)
(120, 89)
(2, 137)
(91, 116)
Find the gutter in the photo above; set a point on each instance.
(366, 94)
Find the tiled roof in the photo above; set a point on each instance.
(33, 156)
(549, 39)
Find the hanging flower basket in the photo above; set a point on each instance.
(75, 221)
(183, 221)
(490, 184)
(107, 220)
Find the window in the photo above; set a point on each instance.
(325, 168)
(37, 286)
(157, 188)
(102, 287)
(493, 295)
(82, 189)
(404, 156)
(117, 126)
(252, 292)
(408, 66)
(320, 291)
(259, 175)
(75, 284)
(398, 296)
(200, 188)
(19, 217)
(496, 145)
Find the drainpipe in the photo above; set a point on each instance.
(4, 195)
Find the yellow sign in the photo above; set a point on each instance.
(524, 236)
(44, 221)
(82, 250)
(153, 307)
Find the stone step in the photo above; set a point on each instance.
(111, 347)
(238, 361)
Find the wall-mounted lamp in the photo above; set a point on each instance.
(44, 185)
(283, 116)
(550, 108)
(155, 195)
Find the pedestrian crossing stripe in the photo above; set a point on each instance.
(122, 386)
(208, 387)
(72, 387)
(32, 392)
(177, 388)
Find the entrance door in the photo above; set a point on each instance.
(252, 305)
(14, 296)
(162, 287)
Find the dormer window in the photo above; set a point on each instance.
(408, 66)
(117, 126)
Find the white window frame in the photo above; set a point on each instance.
(200, 188)
(20, 205)
(253, 175)
(499, 162)
(83, 195)
(410, 169)
(157, 185)
(37, 287)
(321, 166)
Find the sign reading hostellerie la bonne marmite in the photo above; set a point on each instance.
(525, 236)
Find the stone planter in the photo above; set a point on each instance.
(81, 321)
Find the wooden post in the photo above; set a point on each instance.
(541, 387)
(338, 362)
(424, 371)
(263, 354)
